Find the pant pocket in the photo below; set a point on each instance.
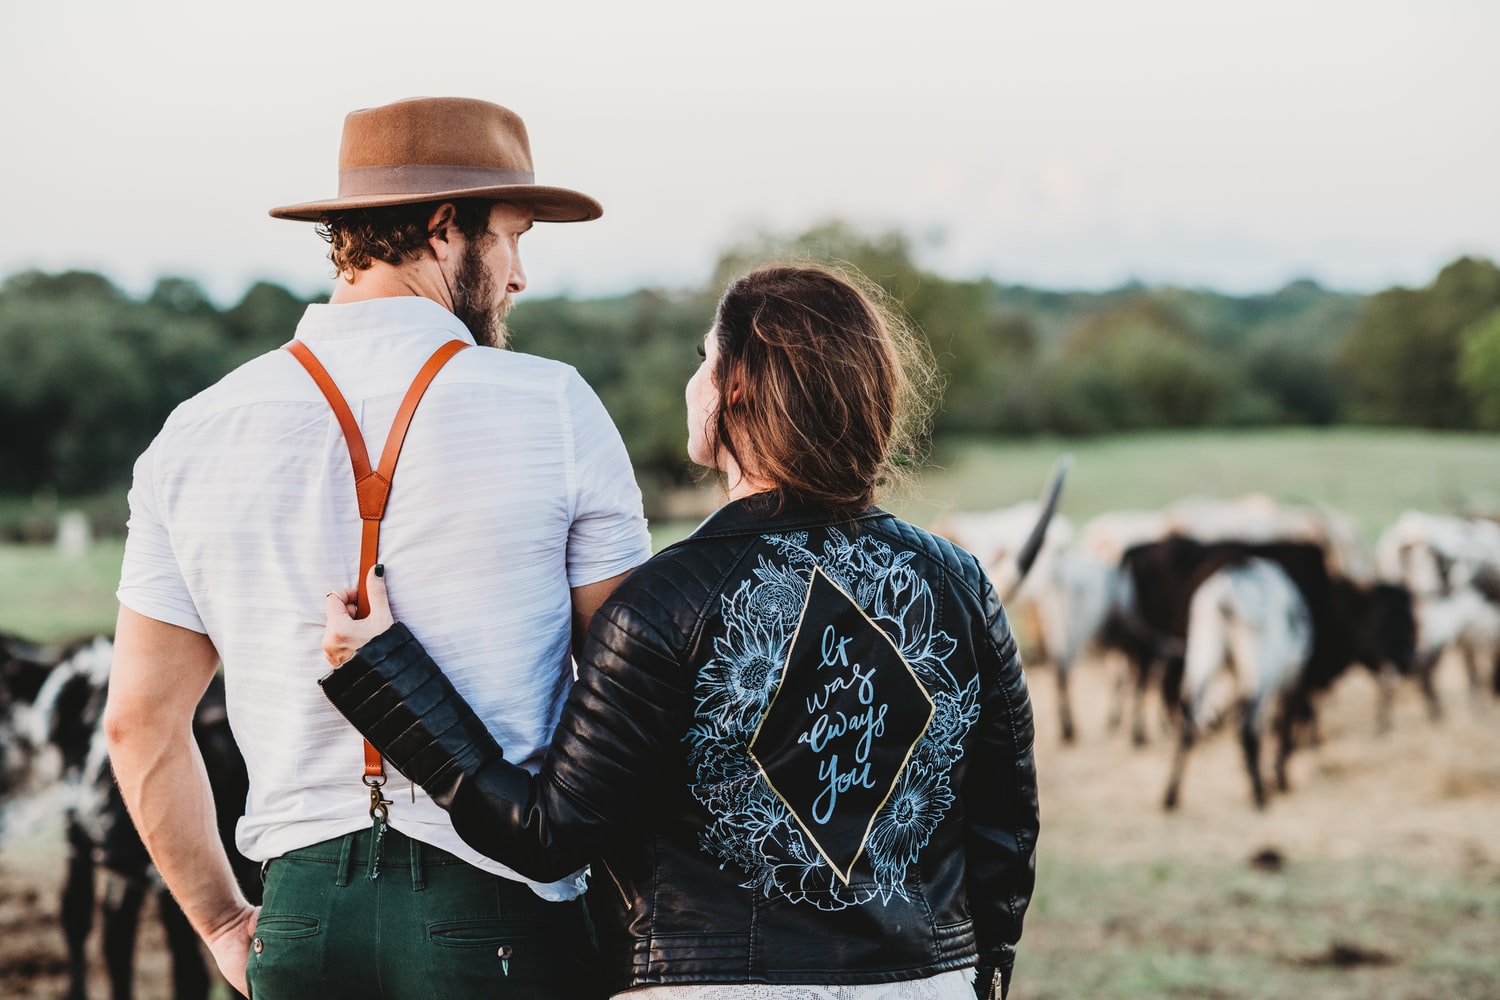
(287, 958)
(516, 958)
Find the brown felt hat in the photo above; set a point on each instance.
(436, 149)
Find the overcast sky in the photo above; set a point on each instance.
(1072, 143)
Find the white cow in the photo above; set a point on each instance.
(1434, 554)
(1250, 635)
(1452, 566)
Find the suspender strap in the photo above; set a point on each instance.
(372, 487)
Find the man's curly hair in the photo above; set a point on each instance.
(357, 237)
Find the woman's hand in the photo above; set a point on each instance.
(344, 634)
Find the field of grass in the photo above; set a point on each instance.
(47, 597)
(1370, 475)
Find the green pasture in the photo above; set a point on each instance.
(47, 597)
(1371, 475)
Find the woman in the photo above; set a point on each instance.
(799, 751)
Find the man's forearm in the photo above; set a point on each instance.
(159, 673)
(166, 789)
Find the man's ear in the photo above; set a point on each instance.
(438, 226)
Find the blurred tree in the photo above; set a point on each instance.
(89, 374)
(1403, 357)
(1297, 381)
(1161, 373)
(182, 296)
(264, 319)
(1479, 369)
(637, 352)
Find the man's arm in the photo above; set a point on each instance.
(586, 600)
(160, 672)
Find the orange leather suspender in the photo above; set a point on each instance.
(373, 488)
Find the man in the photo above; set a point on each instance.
(514, 498)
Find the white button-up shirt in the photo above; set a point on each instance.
(513, 487)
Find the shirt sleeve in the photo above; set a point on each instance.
(608, 535)
(151, 582)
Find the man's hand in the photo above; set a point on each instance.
(344, 634)
(230, 945)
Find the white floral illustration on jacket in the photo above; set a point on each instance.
(752, 827)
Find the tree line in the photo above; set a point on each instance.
(91, 372)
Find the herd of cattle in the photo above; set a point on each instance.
(1246, 606)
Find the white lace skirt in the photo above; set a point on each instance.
(955, 985)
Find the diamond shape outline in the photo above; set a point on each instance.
(844, 874)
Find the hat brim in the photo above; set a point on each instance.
(551, 204)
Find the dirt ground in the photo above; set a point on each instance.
(1427, 794)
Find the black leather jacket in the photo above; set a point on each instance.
(799, 750)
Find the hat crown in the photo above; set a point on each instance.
(447, 131)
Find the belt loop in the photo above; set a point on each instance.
(418, 875)
(346, 853)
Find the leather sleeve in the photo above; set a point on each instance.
(1000, 797)
(619, 725)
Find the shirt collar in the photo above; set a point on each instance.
(324, 321)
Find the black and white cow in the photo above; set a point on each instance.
(63, 716)
(1249, 626)
(1352, 623)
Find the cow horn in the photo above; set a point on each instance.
(1027, 556)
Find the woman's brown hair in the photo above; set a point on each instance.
(824, 392)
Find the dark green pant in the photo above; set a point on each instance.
(428, 925)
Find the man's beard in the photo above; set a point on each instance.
(475, 303)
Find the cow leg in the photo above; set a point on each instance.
(1250, 743)
(190, 978)
(1471, 666)
(1293, 711)
(1426, 671)
(78, 908)
(123, 898)
(1172, 673)
(1117, 701)
(1064, 706)
(1179, 764)
(1143, 674)
(1385, 679)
